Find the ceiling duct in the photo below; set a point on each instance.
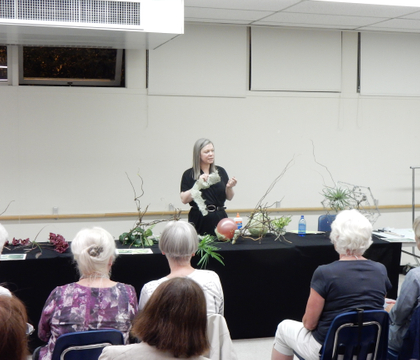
(117, 23)
(75, 12)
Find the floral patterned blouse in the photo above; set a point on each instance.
(74, 307)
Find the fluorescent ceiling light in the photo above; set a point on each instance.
(413, 3)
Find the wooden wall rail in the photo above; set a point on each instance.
(302, 210)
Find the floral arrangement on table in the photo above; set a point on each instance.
(260, 223)
(278, 225)
(335, 198)
(141, 234)
(342, 196)
(55, 241)
(348, 196)
(138, 236)
(60, 244)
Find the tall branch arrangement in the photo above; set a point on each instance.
(343, 196)
(260, 222)
(141, 234)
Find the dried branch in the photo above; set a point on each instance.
(276, 180)
(6, 207)
(141, 234)
(259, 218)
(316, 161)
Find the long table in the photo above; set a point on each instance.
(264, 281)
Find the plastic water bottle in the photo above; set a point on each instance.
(302, 226)
(238, 221)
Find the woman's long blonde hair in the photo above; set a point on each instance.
(199, 144)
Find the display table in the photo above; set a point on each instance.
(263, 282)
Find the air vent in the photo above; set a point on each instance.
(74, 12)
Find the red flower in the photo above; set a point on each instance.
(60, 244)
(25, 241)
(62, 247)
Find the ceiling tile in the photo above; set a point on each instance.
(217, 21)
(269, 5)
(303, 25)
(331, 8)
(319, 20)
(401, 24)
(415, 15)
(224, 14)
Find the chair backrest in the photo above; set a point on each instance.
(357, 335)
(85, 345)
(325, 221)
(411, 342)
(221, 346)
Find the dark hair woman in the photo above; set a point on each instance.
(172, 325)
(13, 339)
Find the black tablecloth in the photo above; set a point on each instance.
(264, 281)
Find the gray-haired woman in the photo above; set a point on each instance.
(95, 301)
(206, 187)
(179, 242)
(344, 285)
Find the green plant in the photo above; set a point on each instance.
(206, 250)
(138, 236)
(280, 223)
(336, 198)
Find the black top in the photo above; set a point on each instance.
(347, 285)
(214, 195)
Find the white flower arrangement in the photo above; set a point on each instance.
(200, 184)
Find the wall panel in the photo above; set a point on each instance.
(295, 60)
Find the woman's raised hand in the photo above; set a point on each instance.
(232, 182)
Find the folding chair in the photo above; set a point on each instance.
(357, 335)
(325, 221)
(411, 342)
(85, 345)
(221, 346)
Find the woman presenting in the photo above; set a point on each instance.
(206, 187)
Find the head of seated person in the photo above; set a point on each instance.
(94, 253)
(13, 325)
(174, 319)
(351, 233)
(179, 242)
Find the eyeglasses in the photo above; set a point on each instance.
(29, 329)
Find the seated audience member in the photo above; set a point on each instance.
(3, 238)
(401, 312)
(94, 302)
(13, 339)
(179, 242)
(172, 325)
(344, 285)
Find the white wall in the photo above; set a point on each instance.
(71, 147)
